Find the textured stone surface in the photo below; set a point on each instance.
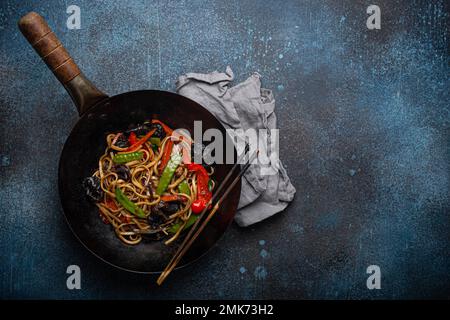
(364, 118)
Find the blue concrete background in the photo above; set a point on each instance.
(364, 118)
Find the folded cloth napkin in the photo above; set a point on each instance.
(244, 106)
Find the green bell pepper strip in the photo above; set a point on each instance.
(183, 187)
(174, 228)
(128, 204)
(127, 157)
(168, 173)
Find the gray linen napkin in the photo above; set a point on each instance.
(244, 106)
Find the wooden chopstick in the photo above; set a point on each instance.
(190, 240)
(216, 194)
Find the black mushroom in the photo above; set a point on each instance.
(123, 172)
(156, 219)
(171, 207)
(161, 212)
(92, 187)
(143, 129)
(139, 130)
(159, 133)
(151, 189)
(122, 141)
(157, 216)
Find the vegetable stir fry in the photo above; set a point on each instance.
(145, 188)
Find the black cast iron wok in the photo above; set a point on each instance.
(100, 115)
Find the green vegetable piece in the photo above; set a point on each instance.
(155, 141)
(128, 204)
(183, 187)
(174, 228)
(168, 173)
(210, 185)
(127, 157)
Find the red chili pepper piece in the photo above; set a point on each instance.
(197, 206)
(141, 141)
(132, 138)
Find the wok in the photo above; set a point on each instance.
(100, 115)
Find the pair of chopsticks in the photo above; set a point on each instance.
(194, 231)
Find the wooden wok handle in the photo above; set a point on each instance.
(47, 45)
(83, 93)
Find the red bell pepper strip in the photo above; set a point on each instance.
(197, 167)
(141, 141)
(166, 155)
(166, 128)
(204, 195)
